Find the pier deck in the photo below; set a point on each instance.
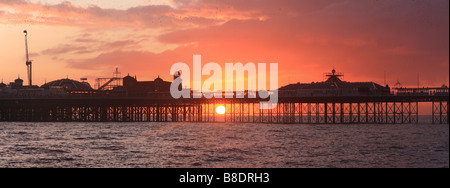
(290, 110)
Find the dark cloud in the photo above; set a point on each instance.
(63, 49)
(84, 46)
(365, 38)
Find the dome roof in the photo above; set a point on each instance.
(68, 84)
(18, 80)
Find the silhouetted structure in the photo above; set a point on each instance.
(330, 102)
(334, 86)
(68, 85)
(17, 84)
(157, 88)
(28, 62)
(106, 84)
(425, 91)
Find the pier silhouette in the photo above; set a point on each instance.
(128, 100)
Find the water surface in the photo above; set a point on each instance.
(222, 145)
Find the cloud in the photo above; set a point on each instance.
(62, 49)
(146, 65)
(13, 2)
(85, 46)
(150, 16)
(361, 38)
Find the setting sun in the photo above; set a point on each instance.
(220, 110)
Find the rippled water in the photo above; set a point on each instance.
(222, 145)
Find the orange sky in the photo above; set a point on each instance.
(361, 38)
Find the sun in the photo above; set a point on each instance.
(220, 110)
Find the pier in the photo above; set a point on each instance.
(117, 99)
(290, 110)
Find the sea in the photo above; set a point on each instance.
(222, 145)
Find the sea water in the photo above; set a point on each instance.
(234, 145)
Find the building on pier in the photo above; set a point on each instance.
(156, 88)
(17, 88)
(2, 85)
(131, 87)
(67, 87)
(424, 91)
(55, 88)
(334, 86)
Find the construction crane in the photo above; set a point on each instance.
(28, 62)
